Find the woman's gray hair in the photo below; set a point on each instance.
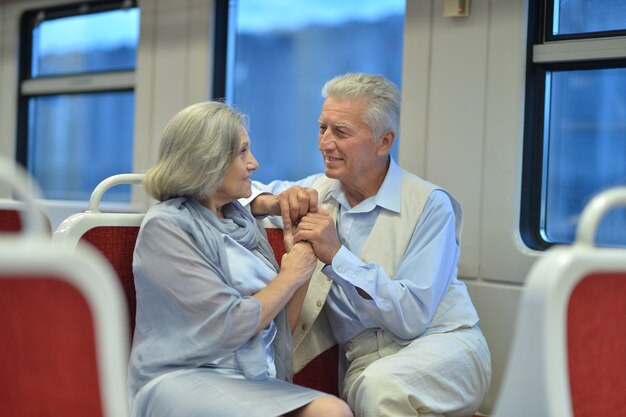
(382, 108)
(197, 148)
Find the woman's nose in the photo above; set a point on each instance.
(253, 164)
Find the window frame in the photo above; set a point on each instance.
(549, 53)
(220, 48)
(82, 83)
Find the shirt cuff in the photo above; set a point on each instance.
(344, 268)
(345, 260)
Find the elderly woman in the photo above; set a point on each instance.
(214, 313)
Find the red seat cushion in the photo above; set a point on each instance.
(321, 373)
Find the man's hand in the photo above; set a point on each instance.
(296, 202)
(318, 228)
(291, 205)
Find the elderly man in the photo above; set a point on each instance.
(386, 288)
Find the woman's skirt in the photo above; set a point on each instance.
(202, 392)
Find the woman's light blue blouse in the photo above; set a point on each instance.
(187, 316)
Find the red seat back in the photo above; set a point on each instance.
(117, 244)
(63, 348)
(10, 221)
(12, 213)
(321, 373)
(596, 345)
(48, 329)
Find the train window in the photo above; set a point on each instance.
(281, 54)
(586, 16)
(76, 103)
(574, 143)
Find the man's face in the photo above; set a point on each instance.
(346, 142)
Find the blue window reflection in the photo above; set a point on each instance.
(284, 52)
(585, 148)
(105, 41)
(75, 141)
(587, 16)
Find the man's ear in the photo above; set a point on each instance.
(385, 143)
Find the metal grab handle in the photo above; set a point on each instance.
(595, 210)
(98, 192)
(26, 190)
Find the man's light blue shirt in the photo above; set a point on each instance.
(406, 303)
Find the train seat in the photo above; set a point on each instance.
(115, 234)
(10, 219)
(568, 356)
(63, 324)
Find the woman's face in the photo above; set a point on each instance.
(237, 182)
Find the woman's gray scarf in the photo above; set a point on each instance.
(244, 229)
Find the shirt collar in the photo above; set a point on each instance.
(387, 197)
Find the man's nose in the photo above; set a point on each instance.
(326, 140)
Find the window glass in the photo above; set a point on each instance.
(86, 43)
(281, 55)
(575, 133)
(585, 148)
(585, 16)
(72, 140)
(77, 140)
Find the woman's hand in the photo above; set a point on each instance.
(302, 260)
(289, 286)
(299, 262)
(288, 239)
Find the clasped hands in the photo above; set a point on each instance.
(303, 220)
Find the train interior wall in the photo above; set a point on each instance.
(461, 124)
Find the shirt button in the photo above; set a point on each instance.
(319, 303)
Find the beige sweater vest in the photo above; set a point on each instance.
(385, 246)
